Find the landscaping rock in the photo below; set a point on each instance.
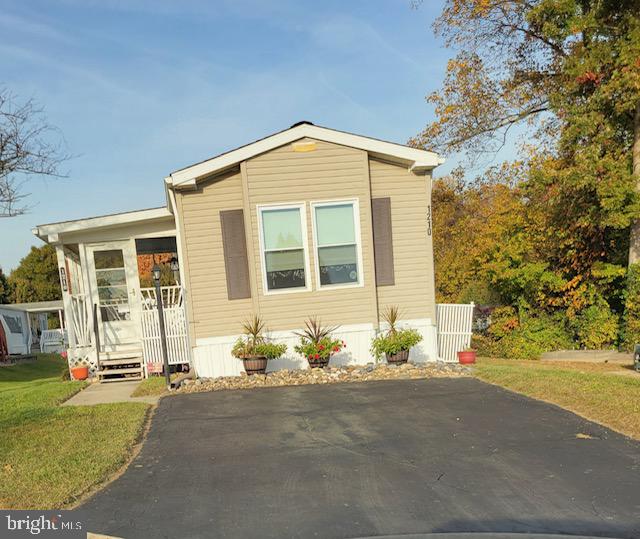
(330, 375)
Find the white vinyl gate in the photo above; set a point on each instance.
(175, 324)
(454, 328)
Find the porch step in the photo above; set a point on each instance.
(121, 366)
(121, 354)
(129, 370)
(128, 379)
(126, 361)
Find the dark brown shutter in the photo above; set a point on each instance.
(236, 264)
(382, 241)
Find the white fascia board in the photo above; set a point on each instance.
(50, 232)
(414, 158)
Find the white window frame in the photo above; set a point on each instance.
(356, 218)
(260, 208)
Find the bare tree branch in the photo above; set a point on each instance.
(29, 146)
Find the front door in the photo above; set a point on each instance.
(113, 271)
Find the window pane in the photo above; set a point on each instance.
(115, 313)
(111, 293)
(14, 323)
(334, 224)
(338, 264)
(111, 277)
(285, 269)
(281, 229)
(109, 259)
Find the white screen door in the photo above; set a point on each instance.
(113, 271)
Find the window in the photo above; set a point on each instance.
(337, 239)
(283, 244)
(13, 323)
(111, 281)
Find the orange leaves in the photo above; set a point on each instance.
(589, 77)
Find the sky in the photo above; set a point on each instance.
(140, 88)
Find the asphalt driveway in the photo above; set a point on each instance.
(354, 460)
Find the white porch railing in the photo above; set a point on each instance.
(175, 323)
(80, 319)
(171, 297)
(454, 328)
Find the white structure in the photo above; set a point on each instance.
(25, 324)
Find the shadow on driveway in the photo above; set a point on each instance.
(370, 459)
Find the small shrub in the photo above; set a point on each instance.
(393, 342)
(484, 345)
(534, 335)
(631, 323)
(316, 341)
(596, 326)
(504, 320)
(254, 343)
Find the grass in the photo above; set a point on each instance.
(154, 385)
(50, 455)
(599, 392)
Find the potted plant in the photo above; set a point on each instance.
(467, 356)
(80, 373)
(395, 343)
(317, 344)
(254, 349)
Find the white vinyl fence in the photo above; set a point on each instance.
(175, 323)
(454, 328)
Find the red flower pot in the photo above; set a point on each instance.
(467, 357)
(80, 373)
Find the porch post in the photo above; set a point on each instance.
(67, 304)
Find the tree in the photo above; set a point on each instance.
(475, 225)
(570, 69)
(5, 289)
(28, 146)
(36, 278)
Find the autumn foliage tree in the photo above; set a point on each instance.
(36, 277)
(566, 73)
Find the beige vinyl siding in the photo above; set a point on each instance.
(412, 248)
(330, 172)
(210, 311)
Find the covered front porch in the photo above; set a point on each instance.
(109, 296)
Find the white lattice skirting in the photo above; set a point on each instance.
(212, 356)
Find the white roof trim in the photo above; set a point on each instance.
(415, 159)
(50, 232)
(35, 307)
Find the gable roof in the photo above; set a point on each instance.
(412, 157)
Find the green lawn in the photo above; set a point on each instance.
(154, 385)
(606, 394)
(50, 455)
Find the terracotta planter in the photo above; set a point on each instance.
(255, 365)
(80, 373)
(467, 357)
(318, 363)
(396, 359)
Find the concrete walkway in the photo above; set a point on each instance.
(107, 394)
(590, 356)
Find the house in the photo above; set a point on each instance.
(309, 221)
